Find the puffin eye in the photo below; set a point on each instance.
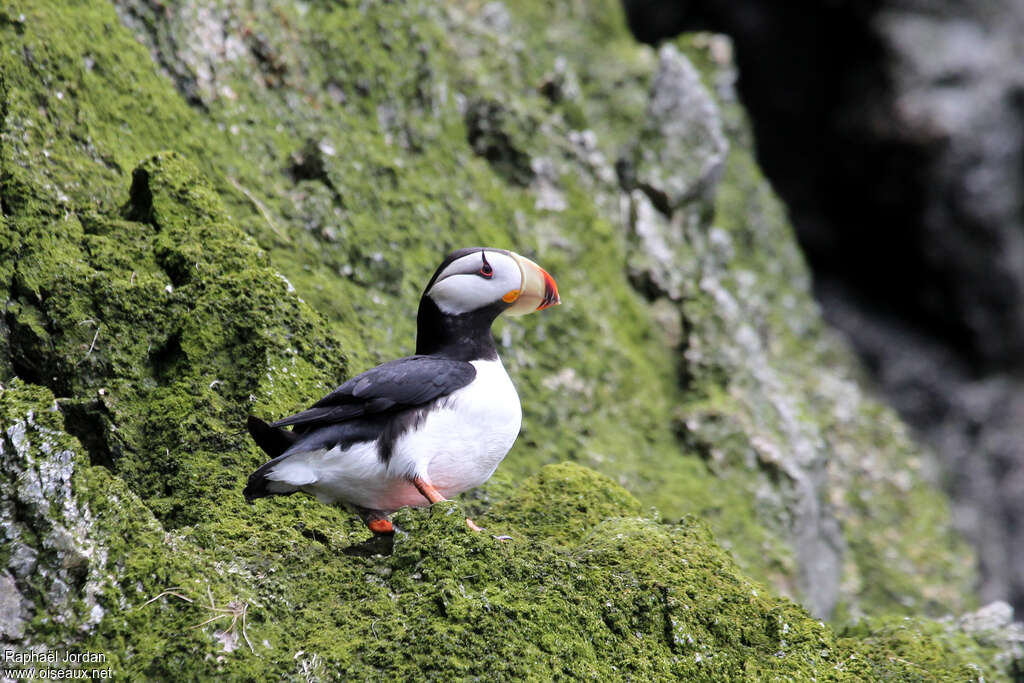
(486, 270)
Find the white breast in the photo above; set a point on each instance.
(461, 443)
(457, 447)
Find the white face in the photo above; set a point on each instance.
(475, 280)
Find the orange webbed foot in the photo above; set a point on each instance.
(381, 526)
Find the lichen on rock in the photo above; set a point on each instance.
(681, 148)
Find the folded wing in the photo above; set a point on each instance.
(359, 410)
(397, 384)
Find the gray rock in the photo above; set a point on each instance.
(658, 241)
(725, 278)
(993, 626)
(23, 559)
(681, 149)
(36, 501)
(12, 611)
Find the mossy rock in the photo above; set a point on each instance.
(629, 598)
(181, 246)
(563, 503)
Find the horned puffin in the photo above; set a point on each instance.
(419, 429)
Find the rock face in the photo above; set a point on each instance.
(957, 79)
(211, 211)
(894, 130)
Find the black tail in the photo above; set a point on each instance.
(274, 441)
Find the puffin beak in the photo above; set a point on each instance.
(539, 289)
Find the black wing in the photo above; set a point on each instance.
(390, 387)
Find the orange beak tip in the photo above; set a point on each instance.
(551, 297)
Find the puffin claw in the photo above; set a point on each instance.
(472, 525)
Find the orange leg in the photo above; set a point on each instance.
(428, 491)
(434, 496)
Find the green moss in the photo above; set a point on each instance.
(562, 504)
(914, 649)
(174, 344)
(623, 596)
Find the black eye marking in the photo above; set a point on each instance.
(485, 270)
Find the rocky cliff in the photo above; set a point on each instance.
(214, 209)
(894, 132)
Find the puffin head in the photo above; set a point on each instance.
(477, 278)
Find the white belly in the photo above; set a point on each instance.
(461, 444)
(457, 447)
